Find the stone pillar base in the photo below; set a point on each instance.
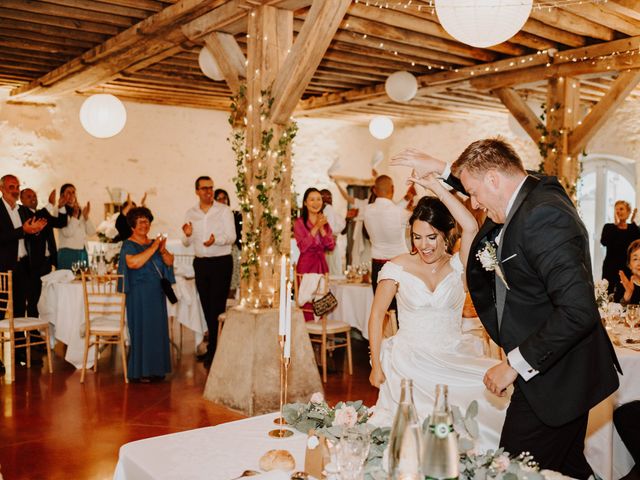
(245, 373)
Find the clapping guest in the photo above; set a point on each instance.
(73, 237)
(627, 290)
(314, 237)
(124, 230)
(617, 237)
(41, 249)
(143, 262)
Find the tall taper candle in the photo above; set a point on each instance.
(287, 324)
(283, 293)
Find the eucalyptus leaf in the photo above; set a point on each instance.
(472, 410)
(472, 427)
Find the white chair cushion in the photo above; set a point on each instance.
(333, 326)
(105, 324)
(23, 322)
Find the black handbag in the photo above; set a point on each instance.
(325, 304)
(166, 286)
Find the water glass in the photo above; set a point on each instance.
(75, 268)
(632, 317)
(353, 450)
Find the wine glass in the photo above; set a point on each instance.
(75, 268)
(631, 318)
(353, 450)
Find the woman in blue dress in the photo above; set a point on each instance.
(143, 262)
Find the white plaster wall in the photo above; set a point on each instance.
(163, 149)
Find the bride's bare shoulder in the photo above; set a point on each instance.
(403, 260)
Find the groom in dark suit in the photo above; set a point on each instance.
(536, 300)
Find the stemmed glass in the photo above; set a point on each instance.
(353, 450)
(632, 317)
(75, 268)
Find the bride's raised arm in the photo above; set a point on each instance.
(460, 213)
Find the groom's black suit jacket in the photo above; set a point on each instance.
(549, 311)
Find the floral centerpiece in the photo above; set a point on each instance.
(329, 422)
(107, 231)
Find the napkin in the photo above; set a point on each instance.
(59, 276)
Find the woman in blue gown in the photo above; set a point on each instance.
(143, 262)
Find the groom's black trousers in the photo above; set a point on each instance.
(554, 448)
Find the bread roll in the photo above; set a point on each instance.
(277, 459)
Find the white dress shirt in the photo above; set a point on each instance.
(386, 224)
(14, 214)
(74, 235)
(218, 220)
(336, 222)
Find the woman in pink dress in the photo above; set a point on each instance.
(314, 237)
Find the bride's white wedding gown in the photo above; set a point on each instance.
(430, 348)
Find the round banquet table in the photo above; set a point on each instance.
(354, 304)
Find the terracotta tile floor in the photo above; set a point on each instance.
(54, 428)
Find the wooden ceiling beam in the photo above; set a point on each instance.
(39, 38)
(628, 8)
(603, 110)
(67, 23)
(307, 52)
(103, 8)
(536, 27)
(154, 35)
(44, 8)
(572, 23)
(53, 31)
(521, 112)
(231, 60)
(410, 61)
(598, 14)
(530, 40)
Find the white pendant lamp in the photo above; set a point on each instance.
(401, 86)
(209, 65)
(381, 127)
(483, 23)
(103, 115)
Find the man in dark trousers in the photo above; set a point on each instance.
(534, 296)
(16, 225)
(41, 249)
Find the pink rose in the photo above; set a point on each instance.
(501, 463)
(346, 416)
(317, 397)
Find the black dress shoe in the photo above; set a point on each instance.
(2, 369)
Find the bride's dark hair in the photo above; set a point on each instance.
(434, 212)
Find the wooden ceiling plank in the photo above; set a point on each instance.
(572, 23)
(307, 52)
(603, 110)
(554, 34)
(528, 120)
(231, 60)
(67, 12)
(53, 31)
(149, 5)
(146, 39)
(40, 38)
(530, 40)
(379, 53)
(397, 19)
(102, 7)
(48, 48)
(598, 14)
(628, 8)
(67, 23)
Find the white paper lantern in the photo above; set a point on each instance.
(401, 86)
(483, 23)
(209, 66)
(381, 127)
(103, 115)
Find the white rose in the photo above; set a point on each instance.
(346, 416)
(317, 397)
(501, 463)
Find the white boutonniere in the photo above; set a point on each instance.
(488, 257)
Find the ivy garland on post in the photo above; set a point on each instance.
(252, 226)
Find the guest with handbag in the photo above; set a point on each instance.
(314, 237)
(146, 264)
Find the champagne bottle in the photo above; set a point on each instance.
(440, 456)
(405, 440)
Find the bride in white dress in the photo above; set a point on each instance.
(429, 348)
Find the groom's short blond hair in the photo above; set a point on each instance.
(489, 154)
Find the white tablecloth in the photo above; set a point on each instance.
(62, 305)
(354, 304)
(221, 452)
(605, 452)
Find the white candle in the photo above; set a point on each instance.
(283, 298)
(287, 324)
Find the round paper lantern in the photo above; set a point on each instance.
(103, 115)
(381, 127)
(208, 65)
(401, 86)
(483, 23)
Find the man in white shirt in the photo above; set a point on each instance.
(386, 224)
(209, 226)
(337, 224)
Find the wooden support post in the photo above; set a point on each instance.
(231, 60)
(563, 104)
(521, 111)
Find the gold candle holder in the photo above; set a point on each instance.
(284, 377)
